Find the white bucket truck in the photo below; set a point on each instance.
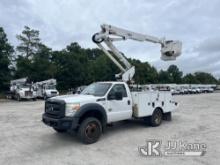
(21, 89)
(46, 89)
(102, 103)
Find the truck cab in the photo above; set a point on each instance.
(25, 91)
(49, 91)
(99, 104)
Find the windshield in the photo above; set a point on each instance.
(96, 89)
(50, 87)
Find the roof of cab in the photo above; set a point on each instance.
(113, 82)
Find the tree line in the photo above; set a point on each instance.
(74, 66)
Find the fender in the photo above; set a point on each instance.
(92, 106)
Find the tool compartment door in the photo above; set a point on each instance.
(142, 105)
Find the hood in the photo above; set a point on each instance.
(75, 98)
(50, 90)
(25, 89)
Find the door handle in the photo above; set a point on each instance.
(129, 102)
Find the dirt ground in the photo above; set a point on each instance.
(24, 139)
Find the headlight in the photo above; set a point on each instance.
(71, 108)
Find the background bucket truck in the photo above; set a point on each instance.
(46, 89)
(21, 89)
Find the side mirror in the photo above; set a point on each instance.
(118, 96)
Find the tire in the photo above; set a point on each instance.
(60, 130)
(89, 130)
(45, 97)
(18, 97)
(156, 118)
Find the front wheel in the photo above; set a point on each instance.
(156, 118)
(18, 97)
(90, 130)
(45, 97)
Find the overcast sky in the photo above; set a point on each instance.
(195, 22)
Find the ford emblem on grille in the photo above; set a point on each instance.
(51, 108)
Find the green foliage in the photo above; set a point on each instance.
(190, 79)
(42, 67)
(164, 77)
(28, 64)
(144, 73)
(71, 66)
(205, 78)
(24, 67)
(76, 66)
(199, 78)
(6, 51)
(175, 75)
(29, 42)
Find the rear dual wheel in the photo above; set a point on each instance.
(156, 118)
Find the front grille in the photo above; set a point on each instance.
(55, 108)
(28, 93)
(54, 93)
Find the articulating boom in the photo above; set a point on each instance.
(169, 49)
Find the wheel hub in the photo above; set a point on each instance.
(91, 130)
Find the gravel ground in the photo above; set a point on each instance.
(24, 139)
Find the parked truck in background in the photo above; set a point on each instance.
(102, 103)
(46, 89)
(22, 89)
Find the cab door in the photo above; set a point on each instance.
(118, 108)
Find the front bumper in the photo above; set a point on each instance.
(51, 95)
(28, 97)
(68, 123)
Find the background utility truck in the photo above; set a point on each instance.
(102, 103)
(21, 89)
(46, 89)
